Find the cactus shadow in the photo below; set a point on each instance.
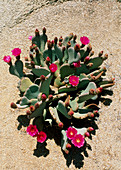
(105, 100)
(23, 121)
(41, 150)
(102, 98)
(53, 132)
(76, 156)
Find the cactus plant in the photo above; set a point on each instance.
(60, 84)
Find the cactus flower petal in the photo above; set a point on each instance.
(53, 68)
(71, 132)
(30, 37)
(74, 80)
(32, 130)
(16, 52)
(77, 64)
(41, 137)
(84, 40)
(7, 59)
(78, 140)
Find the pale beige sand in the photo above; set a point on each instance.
(101, 21)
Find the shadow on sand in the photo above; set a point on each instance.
(75, 155)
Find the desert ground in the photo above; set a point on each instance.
(100, 20)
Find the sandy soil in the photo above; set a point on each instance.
(101, 21)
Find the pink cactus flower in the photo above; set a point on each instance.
(41, 137)
(84, 40)
(53, 67)
(16, 52)
(78, 140)
(32, 130)
(30, 37)
(43, 97)
(77, 64)
(71, 132)
(74, 80)
(7, 59)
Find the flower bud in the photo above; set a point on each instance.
(68, 44)
(55, 40)
(50, 96)
(36, 32)
(90, 129)
(67, 151)
(86, 59)
(42, 77)
(43, 97)
(33, 64)
(47, 59)
(44, 30)
(89, 48)
(49, 44)
(28, 112)
(60, 44)
(60, 125)
(95, 112)
(92, 115)
(32, 108)
(75, 37)
(13, 105)
(77, 47)
(71, 112)
(91, 53)
(60, 39)
(91, 91)
(68, 145)
(105, 56)
(100, 53)
(87, 134)
(37, 105)
(99, 90)
(26, 58)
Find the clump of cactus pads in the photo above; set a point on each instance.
(60, 85)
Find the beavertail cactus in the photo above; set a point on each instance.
(60, 83)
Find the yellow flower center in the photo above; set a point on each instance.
(71, 133)
(78, 140)
(74, 80)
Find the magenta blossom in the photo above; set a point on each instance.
(16, 52)
(32, 130)
(30, 37)
(78, 140)
(7, 59)
(41, 137)
(84, 40)
(71, 132)
(77, 64)
(53, 67)
(74, 80)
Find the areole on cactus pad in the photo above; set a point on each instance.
(60, 87)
